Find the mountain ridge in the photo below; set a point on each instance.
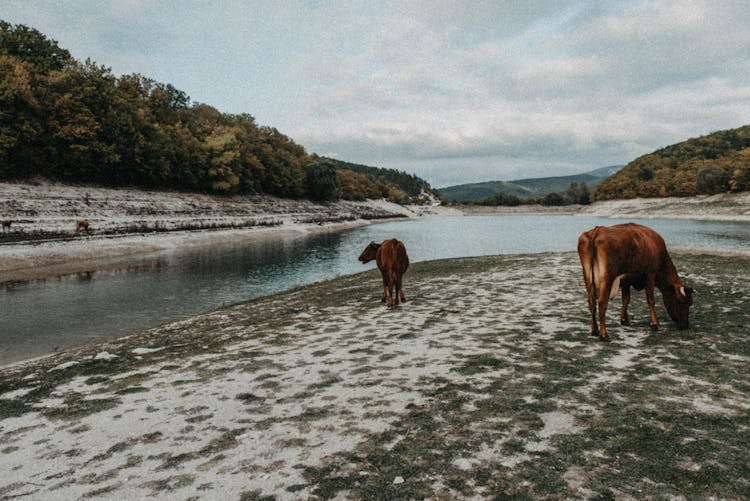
(526, 187)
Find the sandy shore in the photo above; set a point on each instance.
(484, 384)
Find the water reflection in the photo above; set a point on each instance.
(39, 315)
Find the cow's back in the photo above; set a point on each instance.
(628, 248)
(392, 256)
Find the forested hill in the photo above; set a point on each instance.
(525, 188)
(74, 121)
(710, 164)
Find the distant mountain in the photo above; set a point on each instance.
(715, 163)
(525, 188)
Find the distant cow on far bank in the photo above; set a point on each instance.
(392, 261)
(6, 224)
(626, 255)
(82, 224)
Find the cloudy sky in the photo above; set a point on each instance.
(454, 91)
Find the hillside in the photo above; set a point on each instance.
(707, 165)
(76, 122)
(525, 188)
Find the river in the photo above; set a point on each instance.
(41, 316)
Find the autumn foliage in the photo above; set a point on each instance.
(716, 163)
(76, 122)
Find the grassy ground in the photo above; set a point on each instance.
(485, 384)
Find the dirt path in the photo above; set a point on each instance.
(484, 383)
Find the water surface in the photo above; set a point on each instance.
(40, 316)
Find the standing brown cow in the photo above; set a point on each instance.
(626, 255)
(82, 224)
(392, 261)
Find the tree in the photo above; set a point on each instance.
(32, 47)
(578, 193)
(19, 113)
(553, 199)
(322, 182)
(712, 179)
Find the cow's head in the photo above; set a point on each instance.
(678, 300)
(369, 253)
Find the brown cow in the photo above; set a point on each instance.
(6, 224)
(626, 255)
(392, 261)
(82, 224)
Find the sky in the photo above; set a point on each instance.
(453, 91)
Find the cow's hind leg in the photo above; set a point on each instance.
(624, 320)
(602, 293)
(385, 286)
(400, 288)
(392, 290)
(592, 310)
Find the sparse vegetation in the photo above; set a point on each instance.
(321, 392)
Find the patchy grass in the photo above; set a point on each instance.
(485, 384)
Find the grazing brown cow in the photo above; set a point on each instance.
(392, 261)
(6, 224)
(82, 224)
(626, 255)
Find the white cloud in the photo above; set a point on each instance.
(452, 90)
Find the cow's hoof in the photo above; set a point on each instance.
(625, 321)
(654, 327)
(403, 299)
(604, 338)
(594, 334)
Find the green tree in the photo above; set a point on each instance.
(712, 179)
(32, 47)
(553, 199)
(19, 118)
(322, 182)
(578, 193)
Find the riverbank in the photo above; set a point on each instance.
(126, 225)
(723, 207)
(323, 392)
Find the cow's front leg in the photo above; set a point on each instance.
(654, 322)
(624, 320)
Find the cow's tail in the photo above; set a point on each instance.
(587, 254)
